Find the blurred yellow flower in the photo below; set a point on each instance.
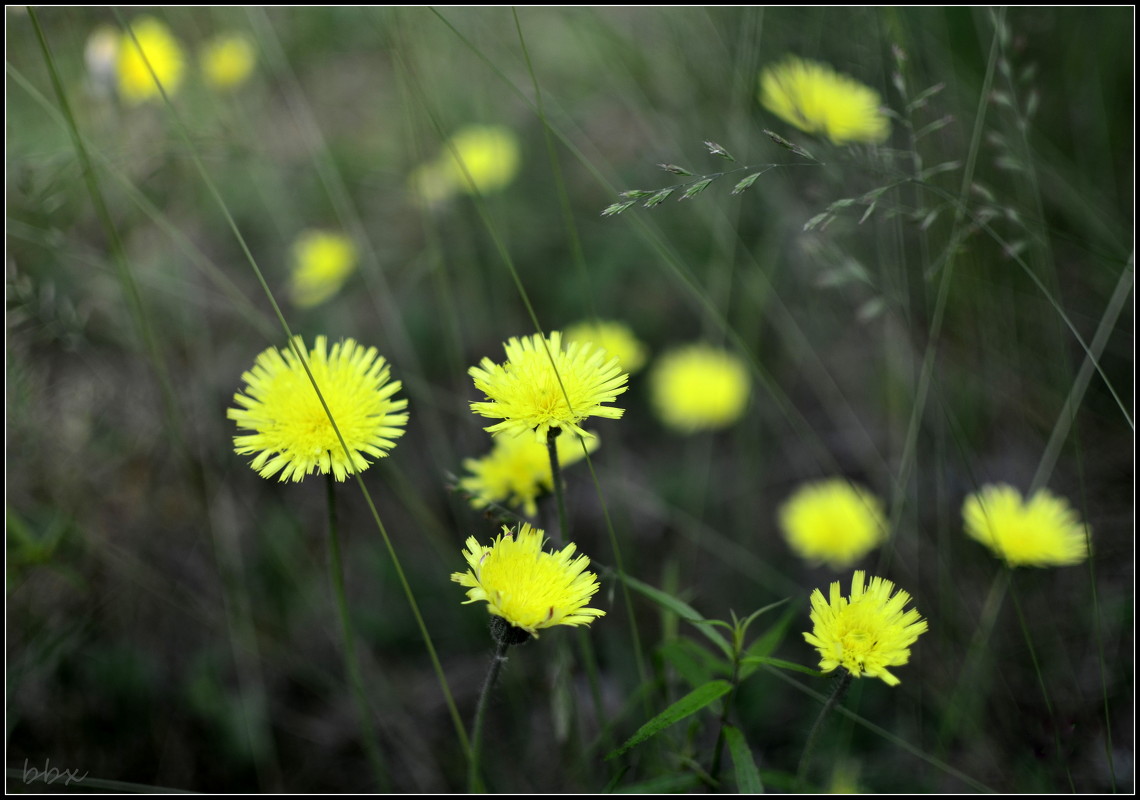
(866, 632)
(833, 521)
(698, 388)
(528, 587)
(615, 338)
(291, 430)
(489, 155)
(817, 99)
(517, 470)
(1044, 531)
(322, 262)
(227, 60)
(162, 52)
(529, 391)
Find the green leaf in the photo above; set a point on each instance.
(694, 662)
(665, 784)
(681, 609)
(777, 662)
(747, 776)
(688, 705)
(696, 188)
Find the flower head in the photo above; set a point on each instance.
(526, 586)
(227, 60)
(817, 99)
(529, 391)
(833, 521)
(866, 632)
(1041, 532)
(699, 388)
(291, 430)
(322, 262)
(489, 156)
(155, 47)
(517, 470)
(615, 338)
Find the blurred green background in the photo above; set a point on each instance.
(169, 617)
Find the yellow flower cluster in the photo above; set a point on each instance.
(833, 521)
(1043, 531)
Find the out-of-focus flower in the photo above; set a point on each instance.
(517, 470)
(1044, 531)
(101, 55)
(833, 521)
(482, 158)
(227, 60)
(698, 388)
(817, 99)
(156, 47)
(866, 632)
(615, 338)
(291, 430)
(528, 587)
(529, 391)
(322, 262)
(489, 154)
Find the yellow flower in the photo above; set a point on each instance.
(227, 60)
(161, 51)
(867, 632)
(615, 338)
(489, 154)
(817, 99)
(517, 470)
(529, 392)
(528, 587)
(699, 388)
(322, 262)
(1041, 532)
(291, 431)
(833, 521)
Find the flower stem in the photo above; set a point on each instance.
(556, 477)
(474, 779)
(351, 667)
(841, 687)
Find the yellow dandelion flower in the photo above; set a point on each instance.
(529, 393)
(817, 99)
(528, 587)
(227, 60)
(1044, 531)
(699, 388)
(615, 338)
(833, 521)
(322, 262)
(866, 632)
(517, 470)
(291, 431)
(156, 47)
(489, 154)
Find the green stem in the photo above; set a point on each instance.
(351, 667)
(502, 642)
(556, 479)
(841, 687)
